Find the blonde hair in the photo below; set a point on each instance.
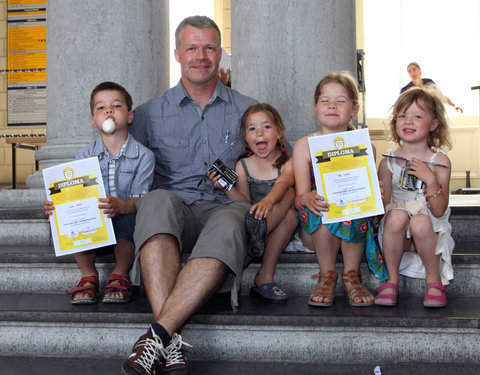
(344, 79)
(275, 117)
(428, 99)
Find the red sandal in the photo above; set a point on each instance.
(117, 283)
(85, 286)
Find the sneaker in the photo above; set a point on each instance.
(298, 245)
(290, 249)
(175, 359)
(147, 355)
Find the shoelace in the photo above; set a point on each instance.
(153, 348)
(174, 354)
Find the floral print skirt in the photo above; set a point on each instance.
(358, 230)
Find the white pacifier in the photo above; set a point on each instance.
(108, 126)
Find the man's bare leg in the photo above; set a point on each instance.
(199, 279)
(160, 263)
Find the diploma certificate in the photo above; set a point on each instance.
(346, 175)
(77, 224)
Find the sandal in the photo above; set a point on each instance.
(325, 288)
(357, 290)
(432, 300)
(269, 291)
(88, 285)
(117, 283)
(387, 299)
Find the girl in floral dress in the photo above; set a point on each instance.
(335, 103)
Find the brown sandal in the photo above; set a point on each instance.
(325, 288)
(85, 286)
(117, 283)
(354, 278)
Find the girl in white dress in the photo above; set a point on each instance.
(415, 232)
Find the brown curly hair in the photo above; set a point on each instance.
(428, 99)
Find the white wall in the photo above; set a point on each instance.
(442, 36)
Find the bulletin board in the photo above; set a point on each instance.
(27, 62)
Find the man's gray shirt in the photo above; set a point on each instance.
(186, 141)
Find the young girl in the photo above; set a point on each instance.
(335, 103)
(265, 178)
(415, 233)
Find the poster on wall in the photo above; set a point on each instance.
(27, 62)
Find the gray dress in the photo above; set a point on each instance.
(258, 188)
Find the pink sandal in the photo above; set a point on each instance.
(386, 299)
(431, 300)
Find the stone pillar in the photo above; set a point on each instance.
(282, 48)
(92, 41)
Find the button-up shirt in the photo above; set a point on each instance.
(187, 140)
(132, 168)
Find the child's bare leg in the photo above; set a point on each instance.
(86, 263)
(307, 240)
(393, 240)
(326, 247)
(280, 210)
(352, 256)
(421, 228)
(277, 240)
(124, 256)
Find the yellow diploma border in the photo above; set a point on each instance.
(351, 157)
(66, 191)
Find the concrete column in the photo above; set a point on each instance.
(92, 41)
(282, 48)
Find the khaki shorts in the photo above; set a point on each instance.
(206, 229)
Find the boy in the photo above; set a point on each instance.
(127, 172)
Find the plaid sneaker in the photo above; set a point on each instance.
(147, 355)
(175, 359)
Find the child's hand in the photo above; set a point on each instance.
(422, 171)
(314, 202)
(48, 207)
(261, 208)
(111, 206)
(214, 177)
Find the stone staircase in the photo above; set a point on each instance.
(38, 321)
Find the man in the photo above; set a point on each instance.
(187, 128)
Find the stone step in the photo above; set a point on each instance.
(48, 325)
(23, 223)
(110, 366)
(36, 270)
